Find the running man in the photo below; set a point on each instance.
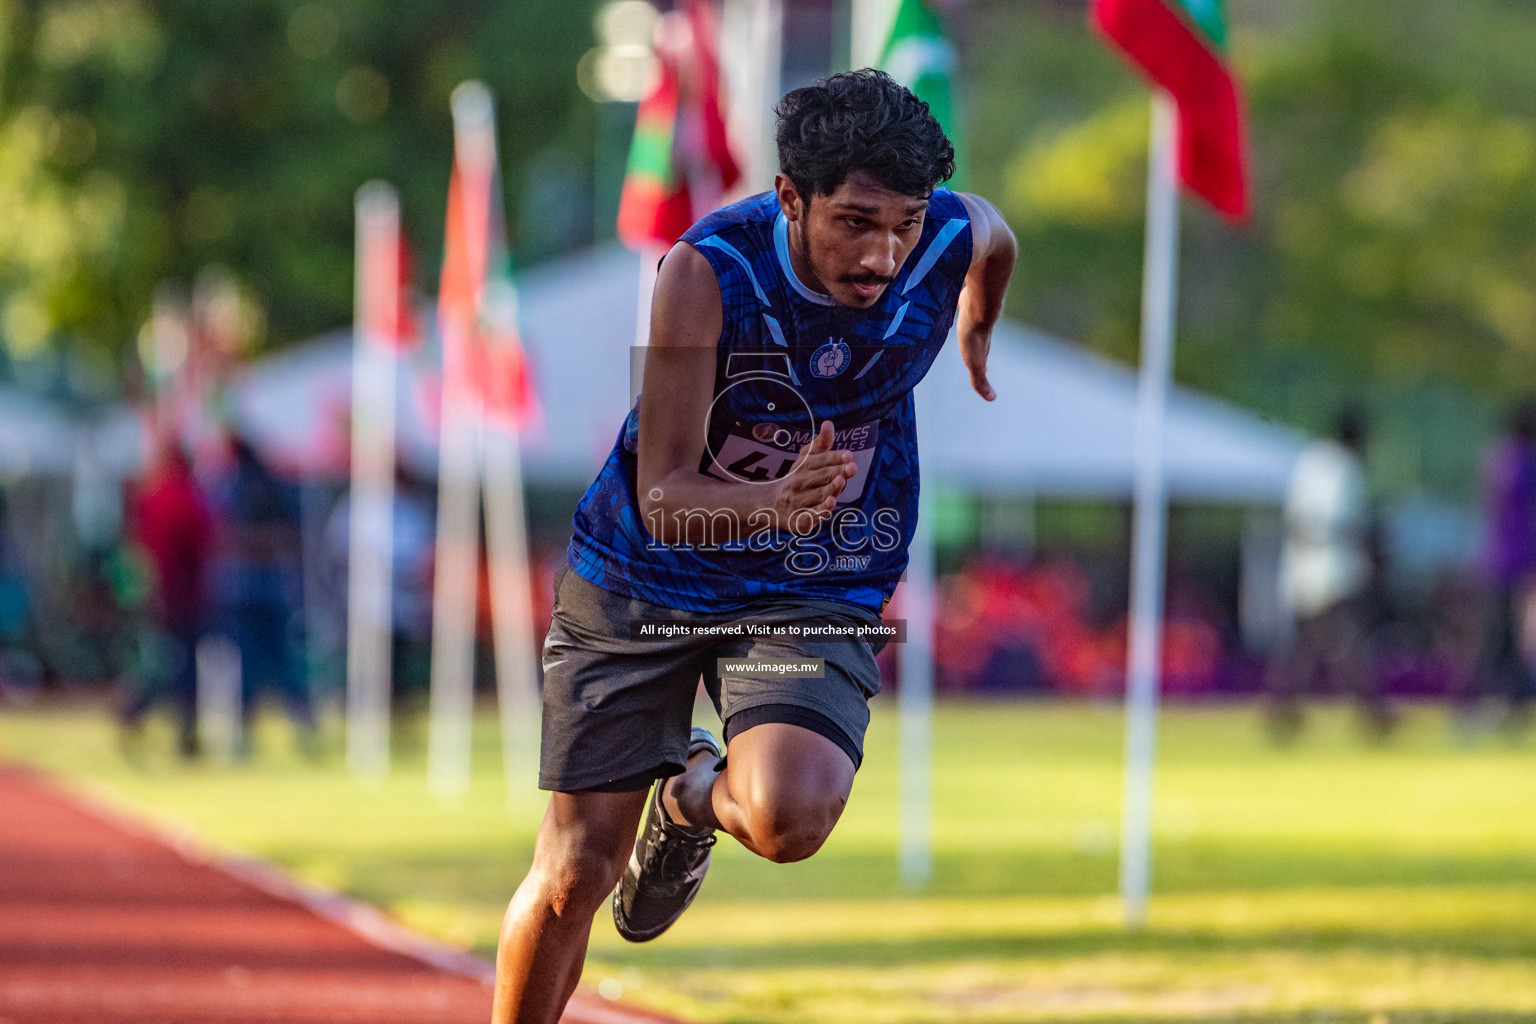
(768, 475)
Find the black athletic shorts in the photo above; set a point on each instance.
(617, 711)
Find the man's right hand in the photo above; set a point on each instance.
(675, 403)
(809, 493)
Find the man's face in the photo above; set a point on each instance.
(854, 240)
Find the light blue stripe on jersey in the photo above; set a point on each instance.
(778, 337)
(775, 330)
(935, 249)
(781, 245)
(870, 364)
(730, 250)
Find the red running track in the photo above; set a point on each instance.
(104, 921)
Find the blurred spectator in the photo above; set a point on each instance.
(1330, 581)
(94, 631)
(256, 586)
(413, 546)
(21, 672)
(171, 525)
(1509, 502)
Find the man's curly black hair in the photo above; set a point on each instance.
(861, 121)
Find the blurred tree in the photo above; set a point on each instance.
(1394, 150)
(1391, 250)
(144, 139)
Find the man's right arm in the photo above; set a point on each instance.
(675, 400)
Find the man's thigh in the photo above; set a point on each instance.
(834, 705)
(616, 710)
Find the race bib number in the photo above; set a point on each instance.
(769, 452)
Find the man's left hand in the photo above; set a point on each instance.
(993, 250)
(975, 344)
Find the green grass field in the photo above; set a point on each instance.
(1326, 882)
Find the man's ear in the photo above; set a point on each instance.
(789, 197)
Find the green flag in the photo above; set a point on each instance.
(918, 55)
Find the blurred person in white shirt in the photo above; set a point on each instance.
(1329, 582)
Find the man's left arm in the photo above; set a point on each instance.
(993, 250)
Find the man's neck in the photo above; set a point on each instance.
(799, 263)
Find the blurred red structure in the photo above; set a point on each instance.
(1009, 626)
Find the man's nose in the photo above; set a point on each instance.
(881, 259)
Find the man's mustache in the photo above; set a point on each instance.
(865, 279)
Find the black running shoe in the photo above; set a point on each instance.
(667, 867)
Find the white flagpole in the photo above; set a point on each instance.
(914, 698)
(1149, 543)
(871, 23)
(219, 718)
(456, 583)
(370, 530)
(517, 684)
(454, 590)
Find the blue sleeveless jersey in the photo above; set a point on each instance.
(789, 358)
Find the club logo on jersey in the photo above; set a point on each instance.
(764, 432)
(831, 359)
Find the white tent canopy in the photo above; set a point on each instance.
(1062, 424)
(36, 437)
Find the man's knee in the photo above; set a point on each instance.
(577, 878)
(789, 785)
(786, 830)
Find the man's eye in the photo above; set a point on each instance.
(854, 222)
(909, 225)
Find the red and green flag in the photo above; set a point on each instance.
(1181, 45)
(919, 55)
(483, 357)
(680, 161)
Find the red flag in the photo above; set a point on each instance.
(680, 161)
(457, 288)
(1180, 45)
(483, 357)
(390, 318)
